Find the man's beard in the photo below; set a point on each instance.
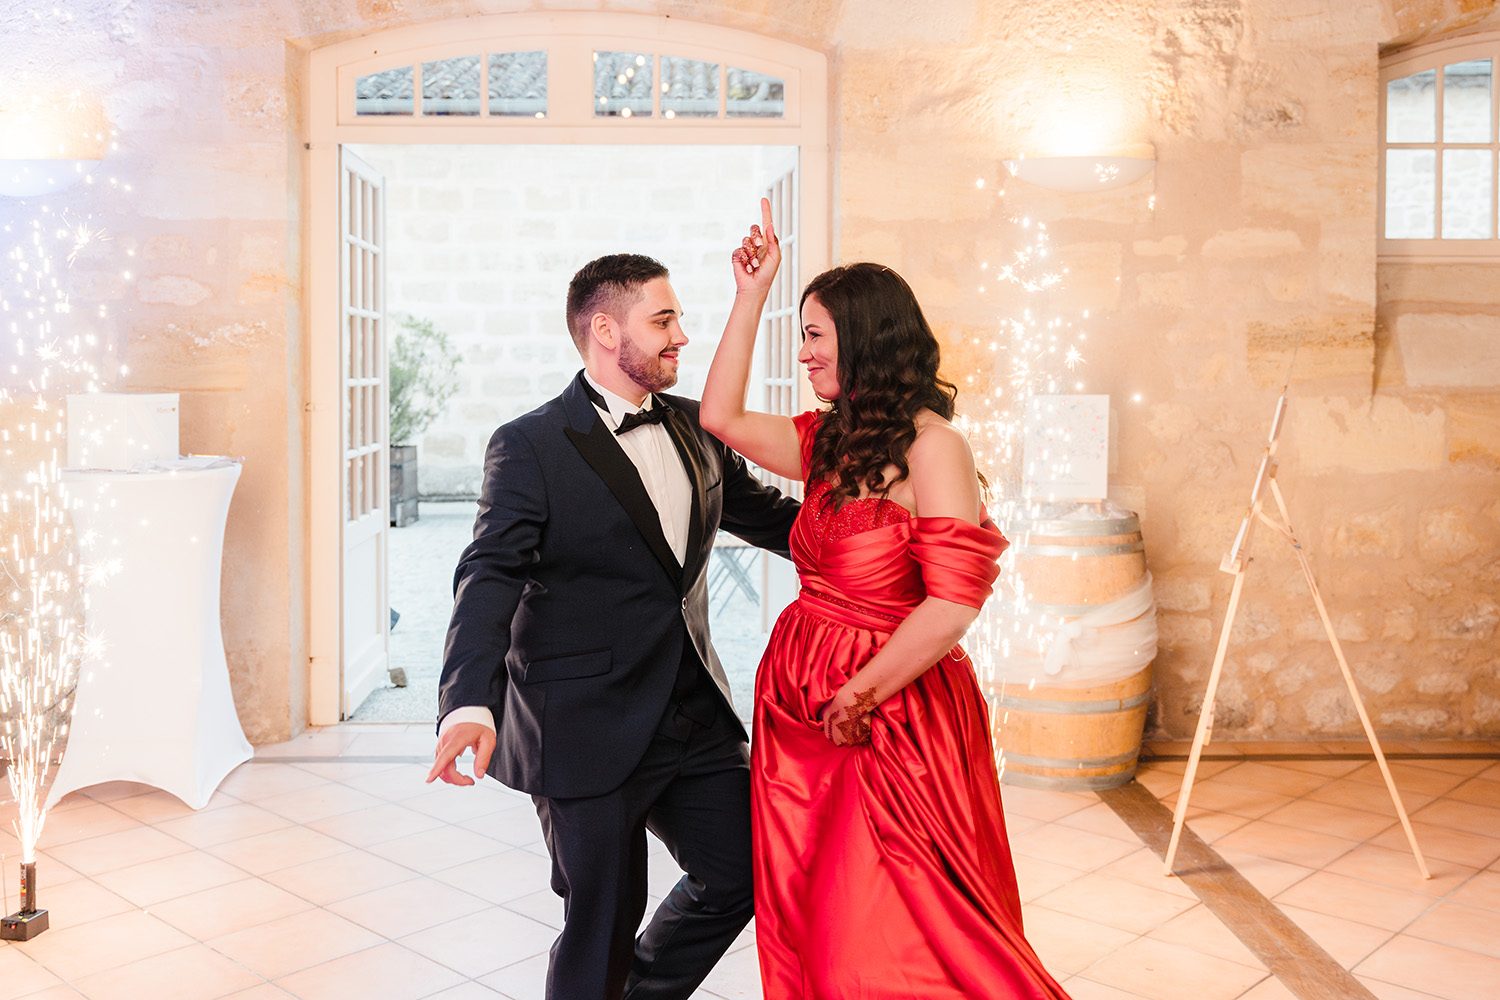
(645, 370)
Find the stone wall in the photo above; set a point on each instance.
(1263, 115)
(488, 261)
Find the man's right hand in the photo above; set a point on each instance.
(457, 739)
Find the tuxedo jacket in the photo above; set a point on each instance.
(570, 610)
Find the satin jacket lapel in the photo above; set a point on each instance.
(603, 453)
(680, 430)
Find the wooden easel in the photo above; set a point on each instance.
(1236, 561)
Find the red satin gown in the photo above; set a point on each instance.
(881, 871)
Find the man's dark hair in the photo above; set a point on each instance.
(610, 284)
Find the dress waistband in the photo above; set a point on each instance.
(850, 613)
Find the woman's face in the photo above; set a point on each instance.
(820, 349)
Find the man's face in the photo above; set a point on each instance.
(650, 337)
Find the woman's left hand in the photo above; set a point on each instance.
(846, 719)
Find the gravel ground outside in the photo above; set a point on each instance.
(422, 558)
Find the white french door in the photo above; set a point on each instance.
(776, 366)
(366, 418)
(488, 79)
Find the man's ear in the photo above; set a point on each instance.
(602, 331)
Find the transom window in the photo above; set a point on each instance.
(1440, 144)
(515, 84)
(512, 84)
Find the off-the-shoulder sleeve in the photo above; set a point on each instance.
(959, 559)
(807, 428)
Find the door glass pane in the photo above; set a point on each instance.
(451, 86)
(1468, 181)
(689, 88)
(518, 84)
(1467, 88)
(622, 85)
(1411, 108)
(385, 93)
(1410, 194)
(753, 95)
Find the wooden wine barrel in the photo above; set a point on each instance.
(1070, 566)
(1061, 736)
(1071, 738)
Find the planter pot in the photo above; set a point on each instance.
(403, 485)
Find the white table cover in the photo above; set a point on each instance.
(158, 709)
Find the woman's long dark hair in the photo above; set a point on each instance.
(887, 370)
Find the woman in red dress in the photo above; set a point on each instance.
(882, 865)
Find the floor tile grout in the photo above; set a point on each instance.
(1042, 815)
(1243, 909)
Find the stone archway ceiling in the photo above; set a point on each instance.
(1412, 21)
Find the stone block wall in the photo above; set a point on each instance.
(1253, 239)
(1262, 234)
(482, 240)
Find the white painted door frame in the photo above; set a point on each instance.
(365, 437)
(570, 39)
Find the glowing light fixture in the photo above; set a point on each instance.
(45, 148)
(1087, 172)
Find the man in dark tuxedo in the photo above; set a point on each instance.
(580, 633)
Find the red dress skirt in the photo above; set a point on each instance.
(881, 871)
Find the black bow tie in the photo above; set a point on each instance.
(655, 415)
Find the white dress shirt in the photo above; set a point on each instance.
(650, 449)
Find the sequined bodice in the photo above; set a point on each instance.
(830, 522)
(859, 549)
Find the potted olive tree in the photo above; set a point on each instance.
(423, 377)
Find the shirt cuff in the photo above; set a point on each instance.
(468, 713)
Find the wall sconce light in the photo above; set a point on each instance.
(48, 148)
(1085, 173)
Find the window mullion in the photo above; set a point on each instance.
(1441, 131)
(484, 84)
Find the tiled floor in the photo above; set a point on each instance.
(344, 877)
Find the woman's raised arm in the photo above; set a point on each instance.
(769, 440)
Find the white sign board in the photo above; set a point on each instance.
(1066, 448)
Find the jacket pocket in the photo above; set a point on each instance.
(564, 668)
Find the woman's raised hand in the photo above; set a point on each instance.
(758, 255)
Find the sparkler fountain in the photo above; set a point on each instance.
(43, 565)
(1022, 639)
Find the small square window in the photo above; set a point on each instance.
(451, 86)
(518, 84)
(622, 85)
(1411, 108)
(689, 88)
(1410, 194)
(754, 95)
(1466, 101)
(388, 92)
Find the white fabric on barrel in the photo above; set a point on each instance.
(1107, 643)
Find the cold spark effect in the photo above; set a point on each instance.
(43, 566)
(1038, 349)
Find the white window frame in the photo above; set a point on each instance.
(1435, 57)
(570, 39)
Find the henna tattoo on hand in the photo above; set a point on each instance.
(854, 723)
